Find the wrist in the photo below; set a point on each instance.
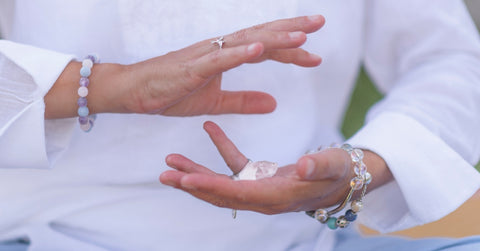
(378, 168)
(106, 86)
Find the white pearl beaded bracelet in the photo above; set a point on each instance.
(360, 181)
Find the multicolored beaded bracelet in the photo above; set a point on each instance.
(85, 119)
(360, 181)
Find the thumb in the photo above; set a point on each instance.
(332, 163)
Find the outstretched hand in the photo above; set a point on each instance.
(188, 81)
(316, 181)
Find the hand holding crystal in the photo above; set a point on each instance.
(317, 180)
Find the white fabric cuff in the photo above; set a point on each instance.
(423, 167)
(26, 139)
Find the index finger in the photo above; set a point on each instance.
(223, 60)
(307, 24)
(234, 159)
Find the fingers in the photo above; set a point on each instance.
(184, 164)
(234, 159)
(280, 34)
(328, 164)
(307, 24)
(270, 39)
(172, 178)
(222, 60)
(295, 56)
(244, 102)
(223, 192)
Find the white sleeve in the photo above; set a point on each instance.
(27, 73)
(426, 58)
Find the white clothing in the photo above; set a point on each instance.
(67, 190)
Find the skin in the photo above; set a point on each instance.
(187, 82)
(315, 181)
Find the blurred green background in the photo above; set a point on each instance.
(364, 95)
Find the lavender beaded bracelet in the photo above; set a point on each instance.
(360, 181)
(85, 119)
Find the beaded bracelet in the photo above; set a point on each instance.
(85, 119)
(360, 181)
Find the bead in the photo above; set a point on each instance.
(356, 183)
(368, 178)
(83, 120)
(332, 223)
(94, 57)
(87, 127)
(321, 215)
(350, 215)
(360, 168)
(356, 206)
(84, 81)
(85, 72)
(335, 145)
(83, 111)
(357, 155)
(83, 91)
(82, 101)
(347, 147)
(87, 63)
(310, 213)
(342, 222)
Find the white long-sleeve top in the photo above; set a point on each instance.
(68, 190)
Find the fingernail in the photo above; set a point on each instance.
(310, 168)
(186, 185)
(315, 18)
(315, 57)
(296, 34)
(251, 49)
(169, 183)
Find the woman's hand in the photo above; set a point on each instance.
(187, 82)
(316, 181)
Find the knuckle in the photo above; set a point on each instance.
(214, 57)
(260, 27)
(189, 74)
(220, 203)
(240, 197)
(240, 35)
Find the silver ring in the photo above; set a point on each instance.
(219, 41)
(235, 175)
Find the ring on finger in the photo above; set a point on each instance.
(219, 41)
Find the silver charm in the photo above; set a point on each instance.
(219, 41)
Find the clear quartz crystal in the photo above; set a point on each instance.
(257, 170)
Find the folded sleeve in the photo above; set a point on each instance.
(426, 58)
(27, 73)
